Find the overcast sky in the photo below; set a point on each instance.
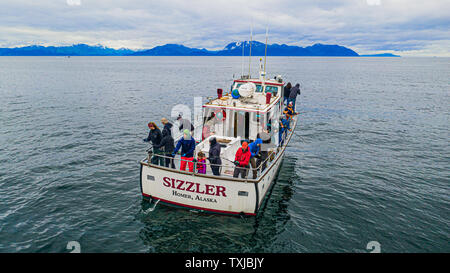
(406, 27)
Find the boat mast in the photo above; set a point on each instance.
(242, 69)
(250, 54)
(265, 53)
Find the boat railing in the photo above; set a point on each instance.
(165, 161)
(226, 170)
(159, 160)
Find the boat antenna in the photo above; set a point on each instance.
(265, 53)
(242, 70)
(250, 53)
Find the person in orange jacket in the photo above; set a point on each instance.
(241, 161)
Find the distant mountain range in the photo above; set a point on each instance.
(74, 50)
(258, 49)
(232, 49)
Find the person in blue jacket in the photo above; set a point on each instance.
(187, 145)
(255, 159)
(284, 127)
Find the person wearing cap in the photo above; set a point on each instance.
(187, 145)
(241, 161)
(293, 94)
(214, 156)
(167, 125)
(289, 111)
(284, 126)
(185, 124)
(154, 137)
(255, 158)
(266, 140)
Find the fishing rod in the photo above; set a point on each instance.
(234, 162)
(150, 149)
(228, 160)
(297, 134)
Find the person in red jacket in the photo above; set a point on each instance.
(241, 161)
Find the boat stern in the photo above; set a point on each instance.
(198, 192)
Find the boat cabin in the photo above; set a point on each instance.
(252, 106)
(249, 108)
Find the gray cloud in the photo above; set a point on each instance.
(412, 27)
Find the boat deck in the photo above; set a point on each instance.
(227, 167)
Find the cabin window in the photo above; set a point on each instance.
(272, 89)
(259, 87)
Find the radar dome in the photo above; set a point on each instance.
(247, 89)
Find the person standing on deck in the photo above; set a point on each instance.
(214, 156)
(167, 146)
(155, 136)
(293, 94)
(266, 139)
(289, 111)
(208, 127)
(284, 126)
(185, 124)
(241, 161)
(286, 93)
(167, 125)
(187, 145)
(201, 163)
(255, 158)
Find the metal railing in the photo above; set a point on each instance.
(226, 170)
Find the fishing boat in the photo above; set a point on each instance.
(254, 106)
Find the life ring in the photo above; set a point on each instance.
(220, 115)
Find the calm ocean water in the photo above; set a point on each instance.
(370, 161)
